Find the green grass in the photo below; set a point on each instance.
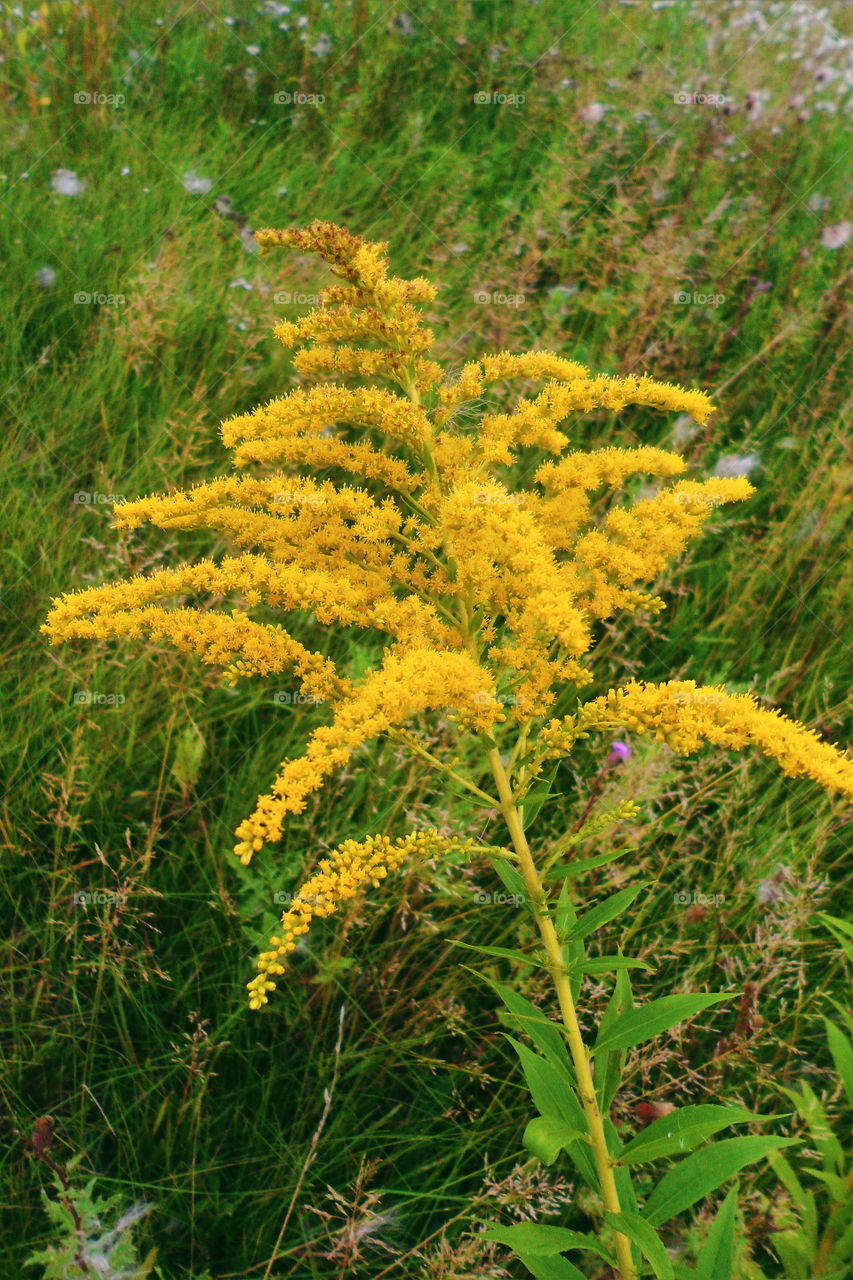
(128, 1024)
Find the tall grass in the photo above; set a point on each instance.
(125, 1018)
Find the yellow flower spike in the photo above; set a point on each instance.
(383, 495)
(341, 877)
(686, 716)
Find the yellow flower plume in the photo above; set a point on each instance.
(381, 493)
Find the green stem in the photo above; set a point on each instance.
(577, 1048)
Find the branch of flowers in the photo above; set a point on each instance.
(548, 933)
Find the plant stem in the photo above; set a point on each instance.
(585, 1084)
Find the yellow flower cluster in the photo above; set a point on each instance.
(379, 493)
(340, 878)
(686, 715)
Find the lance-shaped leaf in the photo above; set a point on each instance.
(607, 910)
(842, 1055)
(681, 1131)
(716, 1259)
(545, 1034)
(556, 1268)
(553, 1095)
(650, 1020)
(543, 1241)
(647, 1240)
(609, 1065)
(702, 1172)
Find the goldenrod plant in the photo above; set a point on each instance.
(485, 551)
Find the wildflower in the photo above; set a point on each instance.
(66, 183)
(619, 753)
(195, 185)
(383, 494)
(836, 236)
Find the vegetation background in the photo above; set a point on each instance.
(653, 186)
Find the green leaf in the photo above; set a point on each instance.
(510, 877)
(842, 1055)
(543, 1241)
(503, 953)
(544, 1033)
(804, 1200)
(716, 1258)
(841, 931)
(547, 1136)
(697, 1175)
(647, 1240)
(556, 1268)
(565, 917)
(811, 1110)
(681, 1131)
(608, 1067)
(611, 964)
(571, 870)
(553, 1095)
(649, 1020)
(607, 910)
(550, 1086)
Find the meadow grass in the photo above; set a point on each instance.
(126, 1020)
